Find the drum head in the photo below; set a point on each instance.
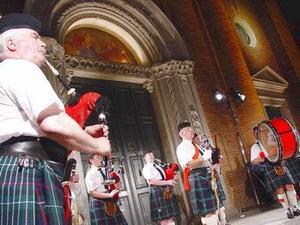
(269, 141)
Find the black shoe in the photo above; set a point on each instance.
(289, 214)
(296, 212)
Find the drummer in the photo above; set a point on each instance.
(277, 178)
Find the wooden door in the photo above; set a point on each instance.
(133, 131)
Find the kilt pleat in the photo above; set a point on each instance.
(99, 217)
(30, 196)
(273, 181)
(293, 164)
(162, 209)
(202, 197)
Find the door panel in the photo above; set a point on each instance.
(133, 131)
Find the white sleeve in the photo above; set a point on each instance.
(182, 156)
(31, 91)
(94, 183)
(255, 150)
(148, 173)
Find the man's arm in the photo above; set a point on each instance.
(60, 127)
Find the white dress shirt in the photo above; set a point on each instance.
(24, 94)
(94, 179)
(185, 152)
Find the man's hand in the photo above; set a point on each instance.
(114, 192)
(172, 182)
(97, 130)
(104, 146)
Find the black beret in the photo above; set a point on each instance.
(19, 20)
(182, 125)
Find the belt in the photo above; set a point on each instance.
(37, 147)
(201, 170)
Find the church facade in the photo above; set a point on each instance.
(162, 62)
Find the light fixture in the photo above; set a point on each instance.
(237, 96)
(219, 96)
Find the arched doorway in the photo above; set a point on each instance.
(152, 43)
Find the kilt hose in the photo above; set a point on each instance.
(162, 209)
(202, 197)
(99, 216)
(293, 164)
(31, 196)
(274, 181)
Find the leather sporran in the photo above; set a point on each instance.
(168, 194)
(279, 170)
(110, 208)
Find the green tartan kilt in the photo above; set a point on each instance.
(162, 209)
(272, 180)
(99, 216)
(31, 195)
(202, 197)
(293, 164)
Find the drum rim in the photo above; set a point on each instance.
(279, 156)
(294, 132)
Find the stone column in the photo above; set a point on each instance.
(175, 95)
(56, 56)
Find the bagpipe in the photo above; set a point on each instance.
(80, 108)
(170, 169)
(112, 177)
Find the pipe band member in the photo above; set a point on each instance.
(163, 204)
(33, 129)
(276, 178)
(103, 208)
(197, 176)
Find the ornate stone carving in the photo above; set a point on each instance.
(173, 68)
(148, 85)
(55, 55)
(90, 64)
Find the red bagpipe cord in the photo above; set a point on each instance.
(186, 171)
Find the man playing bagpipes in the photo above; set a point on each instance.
(202, 144)
(197, 176)
(276, 178)
(103, 207)
(33, 129)
(163, 203)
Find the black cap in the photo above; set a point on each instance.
(19, 20)
(182, 125)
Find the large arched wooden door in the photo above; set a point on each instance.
(133, 130)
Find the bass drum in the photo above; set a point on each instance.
(278, 139)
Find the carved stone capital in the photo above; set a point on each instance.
(173, 68)
(148, 85)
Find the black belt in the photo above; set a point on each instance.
(201, 170)
(37, 147)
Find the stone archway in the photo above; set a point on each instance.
(155, 42)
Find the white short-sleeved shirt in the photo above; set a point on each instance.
(185, 152)
(151, 172)
(255, 150)
(24, 94)
(94, 179)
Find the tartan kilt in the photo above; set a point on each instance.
(99, 216)
(202, 197)
(273, 181)
(162, 209)
(31, 195)
(293, 164)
